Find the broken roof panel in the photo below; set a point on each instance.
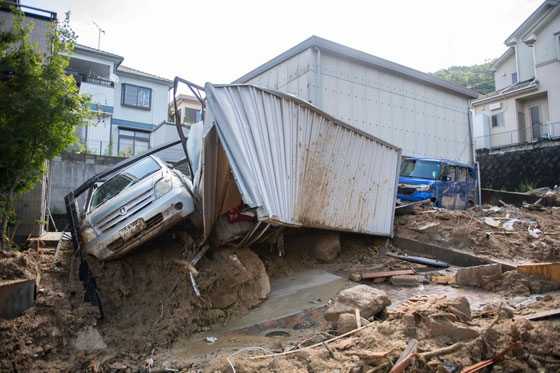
(296, 164)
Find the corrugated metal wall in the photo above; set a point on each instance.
(425, 121)
(299, 165)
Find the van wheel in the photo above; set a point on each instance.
(469, 204)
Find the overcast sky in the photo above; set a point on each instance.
(219, 41)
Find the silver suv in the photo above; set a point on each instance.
(133, 206)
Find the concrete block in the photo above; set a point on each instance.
(404, 280)
(473, 276)
(15, 297)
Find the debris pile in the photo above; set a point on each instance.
(528, 234)
(447, 335)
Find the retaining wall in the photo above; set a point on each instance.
(507, 168)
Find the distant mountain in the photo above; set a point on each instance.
(478, 77)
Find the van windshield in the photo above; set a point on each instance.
(125, 178)
(420, 169)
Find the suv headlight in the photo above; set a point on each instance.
(89, 234)
(423, 188)
(163, 186)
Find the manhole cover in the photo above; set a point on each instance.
(277, 333)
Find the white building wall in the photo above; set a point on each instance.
(547, 45)
(158, 110)
(423, 120)
(503, 74)
(525, 61)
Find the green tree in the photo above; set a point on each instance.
(478, 77)
(40, 105)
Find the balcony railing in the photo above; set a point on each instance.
(28, 10)
(534, 133)
(98, 81)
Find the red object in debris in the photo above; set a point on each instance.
(235, 214)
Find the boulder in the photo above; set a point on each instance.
(326, 246)
(368, 300)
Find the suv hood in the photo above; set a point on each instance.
(129, 201)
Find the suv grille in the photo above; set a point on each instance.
(406, 191)
(132, 207)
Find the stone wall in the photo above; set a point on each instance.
(507, 168)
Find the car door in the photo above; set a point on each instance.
(447, 192)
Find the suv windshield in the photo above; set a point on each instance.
(420, 169)
(117, 183)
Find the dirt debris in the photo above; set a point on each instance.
(466, 230)
(150, 306)
(450, 339)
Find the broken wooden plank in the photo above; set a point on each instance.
(372, 275)
(550, 271)
(406, 357)
(444, 279)
(187, 265)
(543, 315)
(483, 364)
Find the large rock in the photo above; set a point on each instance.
(326, 246)
(368, 300)
(242, 278)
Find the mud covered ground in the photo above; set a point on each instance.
(153, 319)
(508, 238)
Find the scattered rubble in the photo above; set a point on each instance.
(152, 311)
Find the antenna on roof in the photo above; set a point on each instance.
(99, 38)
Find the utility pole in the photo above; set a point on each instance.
(99, 37)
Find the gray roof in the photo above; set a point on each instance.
(137, 73)
(85, 48)
(347, 52)
(510, 89)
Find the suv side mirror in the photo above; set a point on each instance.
(448, 178)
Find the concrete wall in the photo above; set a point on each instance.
(506, 168)
(424, 120)
(31, 211)
(69, 171)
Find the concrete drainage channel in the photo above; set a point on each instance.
(451, 256)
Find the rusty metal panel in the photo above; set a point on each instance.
(300, 166)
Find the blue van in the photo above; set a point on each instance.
(446, 183)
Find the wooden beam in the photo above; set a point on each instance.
(550, 271)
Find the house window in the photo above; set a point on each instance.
(135, 96)
(190, 115)
(498, 120)
(513, 78)
(133, 142)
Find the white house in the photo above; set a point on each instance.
(131, 103)
(525, 106)
(424, 115)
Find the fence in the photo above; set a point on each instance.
(96, 147)
(538, 132)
